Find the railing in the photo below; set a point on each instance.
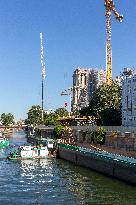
(101, 154)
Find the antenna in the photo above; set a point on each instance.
(43, 68)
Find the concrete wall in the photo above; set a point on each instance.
(114, 169)
(122, 129)
(125, 141)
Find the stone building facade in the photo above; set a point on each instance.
(85, 82)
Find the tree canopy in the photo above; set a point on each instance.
(61, 112)
(7, 119)
(50, 119)
(35, 116)
(105, 105)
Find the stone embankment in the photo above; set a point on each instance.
(116, 158)
(116, 166)
(115, 142)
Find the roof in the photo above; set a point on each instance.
(43, 127)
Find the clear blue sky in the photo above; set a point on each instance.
(74, 35)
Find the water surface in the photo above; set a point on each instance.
(53, 181)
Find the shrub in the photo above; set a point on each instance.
(57, 131)
(100, 135)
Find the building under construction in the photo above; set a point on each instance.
(85, 82)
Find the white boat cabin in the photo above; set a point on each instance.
(33, 152)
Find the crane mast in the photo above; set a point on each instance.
(110, 7)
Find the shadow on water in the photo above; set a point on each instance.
(54, 181)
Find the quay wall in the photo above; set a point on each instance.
(113, 169)
(123, 141)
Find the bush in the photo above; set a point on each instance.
(100, 135)
(57, 131)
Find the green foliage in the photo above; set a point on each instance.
(110, 116)
(106, 97)
(100, 135)
(61, 112)
(85, 111)
(105, 105)
(7, 119)
(34, 115)
(50, 119)
(97, 136)
(58, 131)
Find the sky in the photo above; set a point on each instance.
(73, 35)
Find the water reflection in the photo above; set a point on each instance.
(92, 188)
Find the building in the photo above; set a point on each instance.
(129, 99)
(126, 72)
(85, 82)
(118, 80)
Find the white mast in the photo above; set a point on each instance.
(43, 69)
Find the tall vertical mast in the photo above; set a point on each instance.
(110, 7)
(108, 48)
(43, 70)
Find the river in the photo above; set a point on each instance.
(56, 182)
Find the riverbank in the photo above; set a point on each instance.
(117, 166)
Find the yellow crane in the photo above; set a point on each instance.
(110, 7)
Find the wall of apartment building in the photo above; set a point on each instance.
(129, 101)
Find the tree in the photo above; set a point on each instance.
(84, 111)
(107, 96)
(61, 112)
(50, 119)
(111, 116)
(106, 104)
(100, 135)
(35, 115)
(7, 119)
(58, 131)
